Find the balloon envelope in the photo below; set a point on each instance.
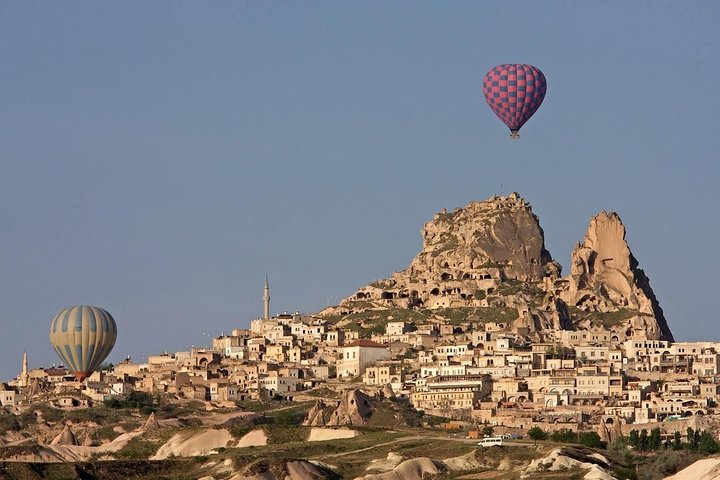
(514, 92)
(83, 336)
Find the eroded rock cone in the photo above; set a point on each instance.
(354, 409)
(610, 428)
(316, 416)
(151, 423)
(66, 437)
(388, 391)
(605, 277)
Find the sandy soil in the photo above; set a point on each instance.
(463, 462)
(202, 443)
(413, 469)
(385, 464)
(297, 470)
(255, 438)
(323, 434)
(556, 461)
(707, 469)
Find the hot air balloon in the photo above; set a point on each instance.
(514, 92)
(83, 337)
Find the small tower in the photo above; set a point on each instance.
(266, 299)
(24, 376)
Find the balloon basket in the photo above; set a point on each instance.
(514, 135)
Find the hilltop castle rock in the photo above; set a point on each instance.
(491, 255)
(605, 277)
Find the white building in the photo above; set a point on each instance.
(354, 357)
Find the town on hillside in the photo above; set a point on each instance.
(479, 330)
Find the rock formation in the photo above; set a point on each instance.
(354, 409)
(316, 416)
(270, 469)
(387, 391)
(151, 423)
(605, 277)
(490, 258)
(500, 237)
(468, 250)
(66, 437)
(413, 469)
(610, 428)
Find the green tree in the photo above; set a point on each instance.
(591, 439)
(564, 435)
(488, 431)
(537, 433)
(655, 440)
(644, 440)
(635, 439)
(677, 441)
(707, 443)
(693, 438)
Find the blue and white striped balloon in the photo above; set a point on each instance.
(83, 337)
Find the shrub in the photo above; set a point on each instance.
(137, 449)
(8, 422)
(591, 439)
(564, 436)
(537, 433)
(664, 465)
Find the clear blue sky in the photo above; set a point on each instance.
(159, 158)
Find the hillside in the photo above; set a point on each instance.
(487, 262)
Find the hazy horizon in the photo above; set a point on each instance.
(158, 160)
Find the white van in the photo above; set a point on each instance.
(490, 442)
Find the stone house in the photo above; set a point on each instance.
(706, 364)
(354, 357)
(223, 391)
(462, 392)
(383, 374)
(8, 397)
(274, 383)
(395, 328)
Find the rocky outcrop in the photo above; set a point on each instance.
(387, 391)
(66, 437)
(706, 469)
(610, 428)
(604, 278)
(354, 409)
(567, 458)
(151, 423)
(315, 416)
(491, 256)
(413, 469)
(466, 253)
(287, 470)
(204, 442)
(498, 237)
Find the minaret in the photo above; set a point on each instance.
(24, 376)
(266, 299)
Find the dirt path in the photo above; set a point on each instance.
(403, 440)
(392, 442)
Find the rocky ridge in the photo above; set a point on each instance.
(490, 256)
